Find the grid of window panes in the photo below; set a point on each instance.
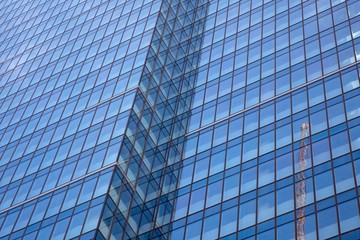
(253, 51)
(84, 81)
(69, 75)
(149, 157)
(266, 68)
(61, 214)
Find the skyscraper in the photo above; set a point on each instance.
(179, 119)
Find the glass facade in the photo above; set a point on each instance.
(272, 146)
(179, 119)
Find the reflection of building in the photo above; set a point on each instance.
(179, 119)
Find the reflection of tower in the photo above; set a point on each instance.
(301, 185)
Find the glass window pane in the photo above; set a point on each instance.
(231, 187)
(211, 227)
(265, 207)
(310, 226)
(59, 232)
(316, 94)
(233, 156)
(327, 222)
(286, 232)
(283, 135)
(285, 200)
(248, 180)
(339, 144)
(214, 193)
(266, 173)
(266, 115)
(92, 218)
(343, 179)
(197, 200)
(266, 142)
(181, 206)
(318, 121)
(217, 162)
(349, 216)
(250, 149)
(284, 166)
(336, 114)
(324, 185)
(193, 231)
(228, 221)
(247, 214)
(353, 107)
(321, 151)
(76, 224)
(355, 138)
(201, 169)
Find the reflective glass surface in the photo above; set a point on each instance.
(179, 119)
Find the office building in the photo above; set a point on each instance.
(179, 119)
